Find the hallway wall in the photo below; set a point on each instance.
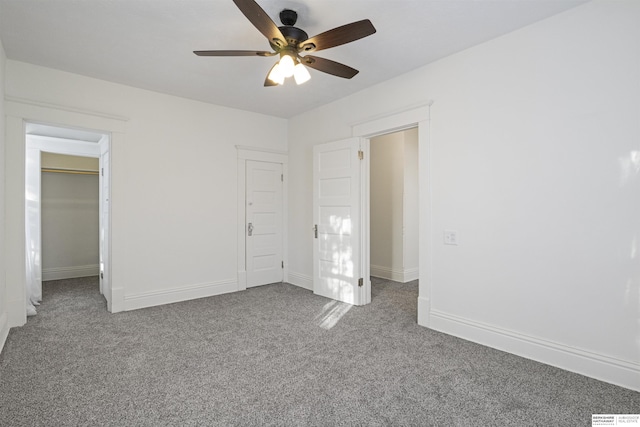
(394, 206)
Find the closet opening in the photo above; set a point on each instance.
(66, 209)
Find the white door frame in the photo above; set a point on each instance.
(35, 145)
(261, 155)
(18, 112)
(419, 117)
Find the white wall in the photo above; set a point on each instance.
(70, 217)
(70, 222)
(534, 143)
(394, 206)
(173, 188)
(410, 205)
(4, 325)
(387, 170)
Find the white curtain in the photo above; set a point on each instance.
(32, 230)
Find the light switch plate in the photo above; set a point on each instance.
(450, 237)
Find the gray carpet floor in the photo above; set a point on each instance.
(275, 355)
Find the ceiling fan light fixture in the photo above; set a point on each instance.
(276, 75)
(301, 74)
(289, 41)
(286, 65)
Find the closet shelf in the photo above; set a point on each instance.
(70, 171)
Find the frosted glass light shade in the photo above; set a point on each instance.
(276, 74)
(301, 74)
(286, 65)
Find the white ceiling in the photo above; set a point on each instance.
(149, 43)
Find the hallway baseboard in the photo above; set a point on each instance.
(402, 276)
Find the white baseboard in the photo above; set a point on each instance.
(16, 313)
(184, 293)
(411, 274)
(117, 300)
(424, 311)
(57, 273)
(242, 280)
(402, 276)
(4, 330)
(301, 280)
(605, 368)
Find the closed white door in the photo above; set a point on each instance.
(339, 251)
(264, 223)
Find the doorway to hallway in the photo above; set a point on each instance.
(394, 206)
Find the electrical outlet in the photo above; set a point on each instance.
(450, 237)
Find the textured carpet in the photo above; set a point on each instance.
(274, 355)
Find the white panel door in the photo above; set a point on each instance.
(105, 196)
(339, 252)
(33, 229)
(264, 223)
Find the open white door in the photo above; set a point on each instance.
(264, 223)
(340, 261)
(105, 191)
(33, 229)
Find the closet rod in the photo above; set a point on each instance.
(70, 171)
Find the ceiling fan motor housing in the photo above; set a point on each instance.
(288, 17)
(294, 35)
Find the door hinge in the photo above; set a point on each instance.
(282, 264)
(360, 154)
(101, 275)
(315, 231)
(102, 171)
(361, 282)
(281, 177)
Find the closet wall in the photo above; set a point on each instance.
(70, 221)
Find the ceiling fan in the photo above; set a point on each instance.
(289, 42)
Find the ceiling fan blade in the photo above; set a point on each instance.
(338, 36)
(261, 21)
(329, 66)
(233, 53)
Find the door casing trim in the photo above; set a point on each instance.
(18, 112)
(419, 117)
